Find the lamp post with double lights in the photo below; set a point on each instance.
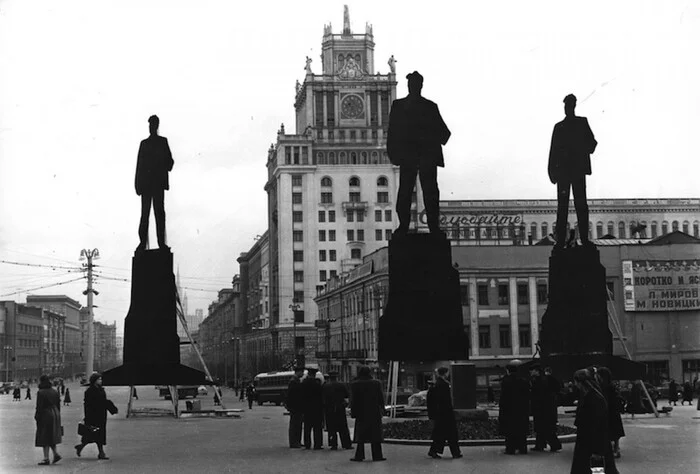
(295, 307)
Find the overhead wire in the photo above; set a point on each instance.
(26, 290)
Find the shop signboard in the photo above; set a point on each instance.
(661, 285)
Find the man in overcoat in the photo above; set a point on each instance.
(514, 410)
(152, 167)
(569, 163)
(313, 410)
(367, 407)
(335, 396)
(414, 142)
(295, 406)
(440, 410)
(543, 400)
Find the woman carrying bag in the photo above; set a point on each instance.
(48, 420)
(94, 428)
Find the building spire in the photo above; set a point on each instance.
(346, 20)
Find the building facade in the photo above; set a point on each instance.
(105, 341)
(216, 337)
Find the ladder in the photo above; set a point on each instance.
(393, 387)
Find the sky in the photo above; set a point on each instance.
(79, 79)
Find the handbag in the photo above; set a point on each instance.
(87, 430)
(597, 465)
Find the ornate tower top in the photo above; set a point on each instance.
(346, 20)
(348, 56)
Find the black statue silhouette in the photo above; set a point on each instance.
(154, 163)
(414, 142)
(569, 163)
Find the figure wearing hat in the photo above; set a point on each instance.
(543, 400)
(313, 409)
(152, 167)
(569, 163)
(514, 410)
(295, 406)
(414, 142)
(335, 399)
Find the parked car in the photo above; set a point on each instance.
(6, 387)
(202, 390)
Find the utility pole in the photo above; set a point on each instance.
(90, 255)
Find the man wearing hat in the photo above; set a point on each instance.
(569, 163)
(514, 410)
(543, 400)
(440, 410)
(335, 397)
(414, 142)
(152, 167)
(313, 409)
(295, 406)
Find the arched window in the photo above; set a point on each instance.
(590, 230)
(599, 230)
(674, 226)
(664, 228)
(696, 229)
(326, 181)
(320, 158)
(382, 181)
(331, 158)
(385, 157)
(621, 230)
(686, 227)
(375, 158)
(353, 158)
(654, 229)
(343, 158)
(544, 230)
(633, 229)
(354, 181)
(533, 230)
(364, 158)
(643, 230)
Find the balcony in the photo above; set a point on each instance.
(355, 205)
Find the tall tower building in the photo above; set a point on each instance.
(330, 187)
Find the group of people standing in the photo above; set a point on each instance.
(49, 431)
(598, 415)
(311, 402)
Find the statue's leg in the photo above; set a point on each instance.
(431, 195)
(159, 212)
(145, 215)
(563, 193)
(581, 205)
(407, 182)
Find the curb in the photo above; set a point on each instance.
(569, 438)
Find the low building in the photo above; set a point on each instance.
(217, 333)
(22, 345)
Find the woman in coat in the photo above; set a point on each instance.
(96, 407)
(687, 394)
(66, 397)
(592, 432)
(48, 420)
(612, 396)
(367, 407)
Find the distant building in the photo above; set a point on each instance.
(75, 355)
(216, 333)
(105, 340)
(22, 338)
(120, 349)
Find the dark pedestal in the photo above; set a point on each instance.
(151, 343)
(463, 385)
(422, 320)
(575, 332)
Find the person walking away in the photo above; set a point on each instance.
(16, 394)
(295, 406)
(48, 420)
(250, 395)
(593, 446)
(96, 406)
(543, 402)
(687, 394)
(66, 397)
(29, 394)
(367, 408)
(335, 400)
(673, 392)
(313, 410)
(612, 396)
(444, 424)
(514, 410)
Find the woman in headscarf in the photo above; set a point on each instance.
(48, 420)
(592, 433)
(96, 407)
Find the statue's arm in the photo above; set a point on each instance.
(391, 133)
(590, 139)
(553, 158)
(137, 180)
(443, 132)
(168, 156)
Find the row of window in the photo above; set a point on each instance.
(503, 299)
(354, 181)
(353, 196)
(504, 336)
(28, 342)
(29, 328)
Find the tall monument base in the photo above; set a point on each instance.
(151, 343)
(575, 332)
(422, 319)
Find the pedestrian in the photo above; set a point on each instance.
(593, 447)
(48, 420)
(63, 388)
(514, 410)
(335, 400)
(543, 402)
(440, 410)
(673, 392)
(312, 394)
(250, 395)
(612, 397)
(16, 394)
(217, 400)
(66, 397)
(490, 396)
(29, 394)
(242, 392)
(295, 406)
(96, 406)
(367, 408)
(687, 394)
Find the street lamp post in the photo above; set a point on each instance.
(7, 362)
(295, 308)
(90, 255)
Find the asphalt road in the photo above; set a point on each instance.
(257, 443)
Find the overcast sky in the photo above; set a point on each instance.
(78, 80)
